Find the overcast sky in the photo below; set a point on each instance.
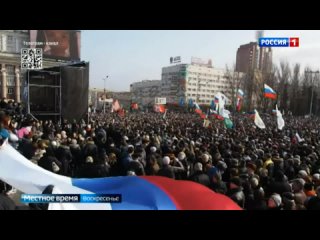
(131, 56)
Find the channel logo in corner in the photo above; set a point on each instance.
(279, 42)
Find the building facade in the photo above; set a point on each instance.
(199, 82)
(194, 81)
(251, 57)
(145, 92)
(11, 42)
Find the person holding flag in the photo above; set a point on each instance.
(269, 92)
(258, 121)
(239, 99)
(280, 121)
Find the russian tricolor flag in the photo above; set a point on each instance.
(138, 193)
(269, 92)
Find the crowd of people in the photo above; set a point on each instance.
(260, 169)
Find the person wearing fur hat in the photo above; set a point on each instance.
(199, 176)
(166, 170)
(275, 202)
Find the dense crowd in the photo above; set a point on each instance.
(259, 169)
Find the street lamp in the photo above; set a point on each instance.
(104, 92)
(311, 72)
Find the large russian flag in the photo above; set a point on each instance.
(269, 92)
(138, 193)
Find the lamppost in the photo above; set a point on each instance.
(312, 79)
(104, 92)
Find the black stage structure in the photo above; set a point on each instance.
(58, 93)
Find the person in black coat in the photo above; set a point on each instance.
(90, 149)
(235, 192)
(259, 202)
(65, 157)
(278, 185)
(136, 166)
(50, 162)
(92, 170)
(199, 176)
(77, 158)
(6, 203)
(26, 148)
(314, 202)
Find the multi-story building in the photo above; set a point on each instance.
(199, 82)
(145, 92)
(251, 57)
(11, 42)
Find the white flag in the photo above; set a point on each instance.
(299, 138)
(226, 114)
(258, 121)
(280, 120)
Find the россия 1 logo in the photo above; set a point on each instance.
(279, 42)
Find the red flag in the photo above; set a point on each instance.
(159, 108)
(239, 103)
(134, 106)
(116, 106)
(121, 112)
(203, 116)
(198, 111)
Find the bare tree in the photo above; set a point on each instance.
(294, 90)
(235, 80)
(284, 74)
(248, 87)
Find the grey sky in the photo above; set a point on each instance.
(130, 56)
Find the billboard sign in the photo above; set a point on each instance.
(160, 101)
(175, 59)
(201, 62)
(56, 44)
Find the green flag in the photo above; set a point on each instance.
(228, 123)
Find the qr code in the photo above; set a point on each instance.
(31, 58)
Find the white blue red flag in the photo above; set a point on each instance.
(138, 193)
(269, 92)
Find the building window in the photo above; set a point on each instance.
(10, 90)
(10, 75)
